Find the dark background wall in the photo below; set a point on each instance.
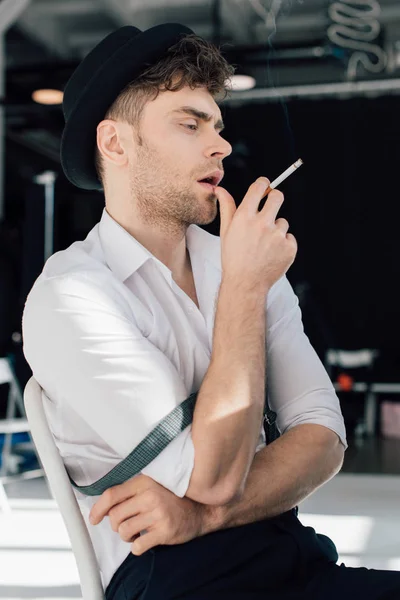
(342, 205)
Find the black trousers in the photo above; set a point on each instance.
(273, 559)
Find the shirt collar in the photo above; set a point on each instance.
(125, 255)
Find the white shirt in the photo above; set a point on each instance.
(116, 345)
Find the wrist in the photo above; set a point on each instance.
(238, 286)
(212, 518)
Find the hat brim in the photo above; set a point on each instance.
(78, 141)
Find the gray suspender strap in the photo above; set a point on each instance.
(155, 442)
(146, 451)
(270, 426)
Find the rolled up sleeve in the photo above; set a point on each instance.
(85, 352)
(299, 388)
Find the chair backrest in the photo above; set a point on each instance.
(351, 359)
(359, 363)
(63, 493)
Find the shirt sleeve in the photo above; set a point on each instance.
(84, 351)
(299, 388)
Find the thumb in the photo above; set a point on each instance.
(227, 208)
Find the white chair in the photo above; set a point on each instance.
(63, 493)
(350, 359)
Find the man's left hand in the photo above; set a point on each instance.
(141, 504)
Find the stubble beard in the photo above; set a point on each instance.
(161, 201)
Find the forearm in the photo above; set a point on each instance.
(229, 408)
(282, 475)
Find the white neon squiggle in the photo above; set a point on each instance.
(355, 26)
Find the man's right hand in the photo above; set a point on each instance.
(256, 248)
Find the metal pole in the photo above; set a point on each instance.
(2, 124)
(340, 89)
(9, 13)
(47, 179)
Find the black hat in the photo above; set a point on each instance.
(116, 61)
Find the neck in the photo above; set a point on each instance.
(168, 247)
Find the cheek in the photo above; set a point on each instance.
(177, 154)
(177, 161)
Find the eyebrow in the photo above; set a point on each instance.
(199, 114)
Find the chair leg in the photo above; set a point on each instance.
(10, 414)
(14, 401)
(18, 397)
(4, 503)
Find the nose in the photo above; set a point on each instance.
(220, 148)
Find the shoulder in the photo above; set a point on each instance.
(77, 273)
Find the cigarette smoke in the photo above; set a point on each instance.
(270, 15)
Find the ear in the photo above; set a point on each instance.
(110, 142)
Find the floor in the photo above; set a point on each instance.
(359, 510)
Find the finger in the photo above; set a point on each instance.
(110, 498)
(272, 205)
(252, 199)
(123, 511)
(267, 191)
(133, 526)
(227, 208)
(282, 224)
(293, 240)
(143, 543)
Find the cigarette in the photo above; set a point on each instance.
(284, 176)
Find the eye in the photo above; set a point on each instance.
(191, 127)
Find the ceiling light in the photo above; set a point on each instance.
(242, 82)
(48, 96)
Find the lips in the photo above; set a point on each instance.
(213, 179)
(208, 186)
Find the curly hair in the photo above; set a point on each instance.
(192, 62)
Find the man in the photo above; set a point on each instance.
(119, 329)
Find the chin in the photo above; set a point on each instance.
(211, 214)
(210, 196)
